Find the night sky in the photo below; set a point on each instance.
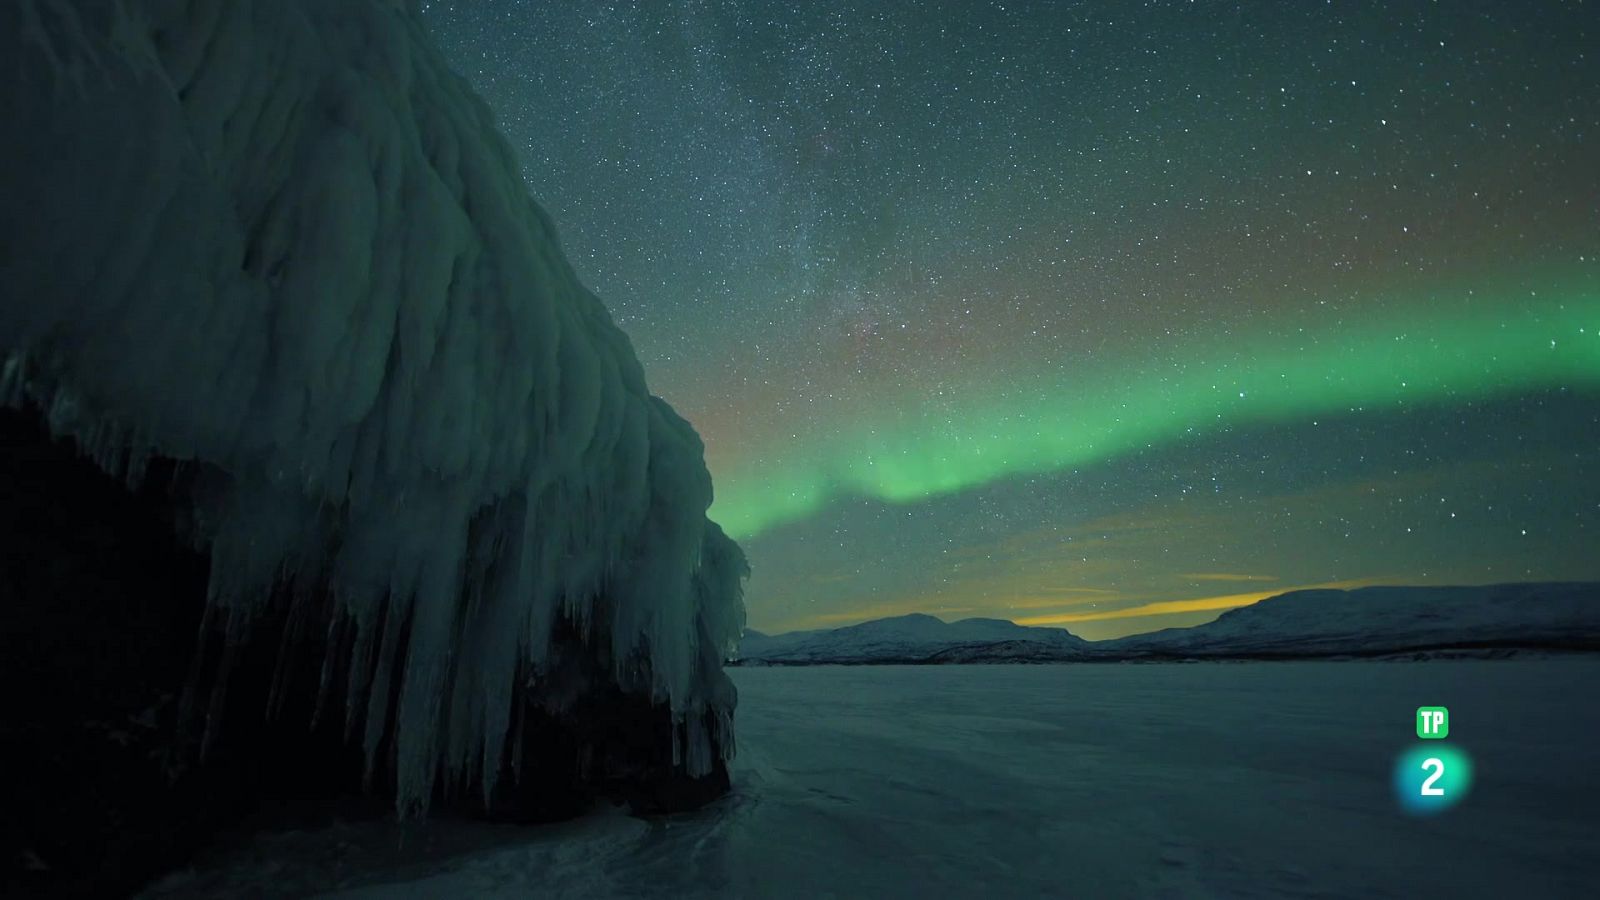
(1092, 314)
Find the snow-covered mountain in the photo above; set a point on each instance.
(1365, 622)
(1379, 620)
(912, 638)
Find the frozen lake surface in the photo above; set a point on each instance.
(1196, 780)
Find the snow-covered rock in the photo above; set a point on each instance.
(280, 243)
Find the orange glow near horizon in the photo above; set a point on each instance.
(1160, 608)
(1218, 603)
(1197, 604)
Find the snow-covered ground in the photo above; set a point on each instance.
(1178, 780)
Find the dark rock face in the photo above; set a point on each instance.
(110, 674)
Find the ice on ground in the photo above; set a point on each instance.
(1171, 780)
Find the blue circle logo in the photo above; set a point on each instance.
(1431, 778)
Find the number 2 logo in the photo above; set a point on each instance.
(1431, 777)
(1437, 765)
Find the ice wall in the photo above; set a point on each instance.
(281, 239)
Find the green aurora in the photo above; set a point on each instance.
(1051, 310)
(1439, 353)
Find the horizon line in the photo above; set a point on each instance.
(1160, 608)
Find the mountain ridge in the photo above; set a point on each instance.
(1306, 624)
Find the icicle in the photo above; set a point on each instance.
(337, 295)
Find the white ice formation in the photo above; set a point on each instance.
(282, 240)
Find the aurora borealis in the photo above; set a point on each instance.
(1099, 415)
(1087, 314)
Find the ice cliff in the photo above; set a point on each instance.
(281, 243)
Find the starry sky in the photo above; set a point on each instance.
(1096, 314)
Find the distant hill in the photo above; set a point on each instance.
(1380, 620)
(912, 638)
(1376, 621)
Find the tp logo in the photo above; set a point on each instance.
(1430, 778)
(1433, 723)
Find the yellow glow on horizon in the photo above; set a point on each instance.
(1197, 604)
(1160, 608)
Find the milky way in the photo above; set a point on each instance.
(1057, 311)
